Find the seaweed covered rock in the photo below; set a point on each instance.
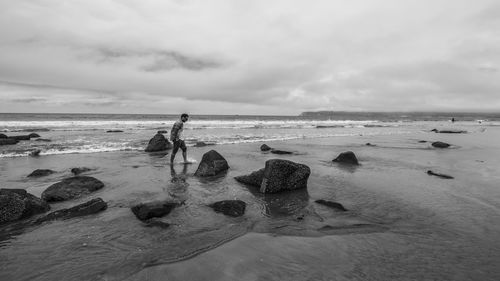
(17, 204)
(40, 173)
(90, 207)
(211, 164)
(439, 144)
(232, 208)
(158, 143)
(347, 157)
(145, 211)
(71, 188)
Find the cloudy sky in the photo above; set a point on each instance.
(249, 57)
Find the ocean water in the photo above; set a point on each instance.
(87, 133)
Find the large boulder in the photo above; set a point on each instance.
(282, 175)
(158, 143)
(3, 136)
(40, 173)
(347, 157)
(278, 175)
(145, 211)
(90, 207)
(254, 179)
(232, 208)
(439, 144)
(8, 141)
(71, 188)
(265, 147)
(212, 163)
(17, 204)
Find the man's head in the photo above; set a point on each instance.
(184, 117)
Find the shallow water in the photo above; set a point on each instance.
(402, 224)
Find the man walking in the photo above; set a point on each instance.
(176, 138)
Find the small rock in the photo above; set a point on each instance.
(43, 140)
(331, 204)
(443, 176)
(90, 207)
(40, 173)
(232, 208)
(439, 144)
(158, 143)
(277, 151)
(34, 135)
(8, 141)
(265, 147)
(369, 144)
(211, 164)
(422, 141)
(35, 152)
(17, 204)
(202, 144)
(77, 171)
(145, 211)
(114, 131)
(71, 188)
(162, 132)
(347, 158)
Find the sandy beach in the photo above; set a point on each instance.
(401, 223)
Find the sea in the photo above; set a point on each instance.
(92, 133)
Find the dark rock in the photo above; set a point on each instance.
(8, 141)
(280, 175)
(158, 143)
(19, 138)
(435, 130)
(34, 135)
(421, 141)
(369, 144)
(331, 204)
(212, 163)
(2, 136)
(79, 170)
(439, 144)
(265, 147)
(453, 132)
(232, 208)
(145, 211)
(35, 152)
(277, 151)
(88, 208)
(36, 130)
(254, 179)
(202, 144)
(347, 158)
(114, 131)
(41, 173)
(71, 188)
(155, 223)
(44, 140)
(443, 176)
(17, 204)
(162, 132)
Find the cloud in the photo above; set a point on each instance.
(356, 55)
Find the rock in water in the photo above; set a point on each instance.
(232, 208)
(145, 211)
(8, 141)
(439, 144)
(71, 188)
(114, 131)
(254, 179)
(34, 135)
(162, 132)
(17, 204)
(19, 138)
(277, 151)
(331, 204)
(212, 163)
(3, 136)
(265, 147)
(443, 176)
(347, 158)
(282, 175)
(35, 153)
(91, 207)
(40, 173)
(77, 171)
(158, 143)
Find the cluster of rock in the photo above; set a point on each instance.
(6, 140)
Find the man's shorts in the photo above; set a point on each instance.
(179, 144)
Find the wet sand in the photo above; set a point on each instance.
(401, 223)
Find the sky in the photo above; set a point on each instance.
(265, 57)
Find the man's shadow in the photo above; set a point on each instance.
(178, 186)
